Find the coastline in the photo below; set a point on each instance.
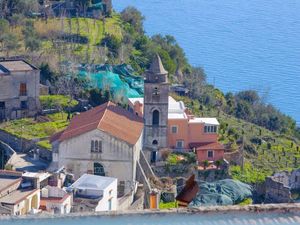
(283, 208)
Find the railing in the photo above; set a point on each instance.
(23, 93)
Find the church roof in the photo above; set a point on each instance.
(109, 118)
(157, 66)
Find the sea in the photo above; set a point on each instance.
(241, 44)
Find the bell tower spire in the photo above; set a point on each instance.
(156, 103)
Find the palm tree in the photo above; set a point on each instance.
(205, 164)
(218, 163)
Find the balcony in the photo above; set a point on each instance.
(23, 93)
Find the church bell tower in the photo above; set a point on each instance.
(156, 103)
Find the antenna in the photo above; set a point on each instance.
(122, 54)
(105, 54)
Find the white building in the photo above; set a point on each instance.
(104, 141)
(55, 200)
(95, 193)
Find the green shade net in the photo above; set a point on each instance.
(119, 79)
(223, 192)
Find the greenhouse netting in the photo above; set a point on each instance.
(119, 79)
(223, 192)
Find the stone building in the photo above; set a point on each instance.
(19, 89)
(104, 141)
(156, 104)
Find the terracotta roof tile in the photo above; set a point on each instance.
(109, 118)
(207, 145)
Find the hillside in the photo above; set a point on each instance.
(76, 39)
(265, 151)
(266, 136)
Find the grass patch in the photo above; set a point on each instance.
(247, 201)
(54, 101)
(29, 129)
(168, 205)
(45, 144)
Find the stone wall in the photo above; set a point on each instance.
(21, 145)
(8, 153)
(212, 175)
(234, 158)
(277, 192)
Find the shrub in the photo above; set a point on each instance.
(165, 153)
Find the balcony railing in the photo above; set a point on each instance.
(23, 93)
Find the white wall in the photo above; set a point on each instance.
(118, 157)
(104, 202)
(63, 208)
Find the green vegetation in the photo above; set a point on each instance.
(247, 201)
(181, 158)
(265, 151)
(168, 205)
(30, 129)
(268, 138)
(57, 102)
(45, 144)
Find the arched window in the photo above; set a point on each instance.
(98, 169)
(96, 146)
(155, 142)
(155, 117)
(92, 146)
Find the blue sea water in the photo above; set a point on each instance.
(241, 44)
(179, 219)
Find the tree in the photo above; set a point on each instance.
(134, 17)
(82, 5)
(112, 43)
(10, 43)
(249, 96)
(205, 164)
(31, 38)
(218, 163)
(4, 26)
(47, 74)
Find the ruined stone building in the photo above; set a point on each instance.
(19, 89)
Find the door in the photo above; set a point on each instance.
(153, 156)
(2, 111)
(110, 204)
(99, 169)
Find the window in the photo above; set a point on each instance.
(179, 144)
(96, 146)
(155, 118)
(210, 154)
(174, 129)
(2, 105)
(92, 146)
(155, 92)
(99, 169)
(23, 89)
(24, 105)
(155, 142)
(210, 129)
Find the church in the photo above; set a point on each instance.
(107, 140)
(169, 124)
(104, 141)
